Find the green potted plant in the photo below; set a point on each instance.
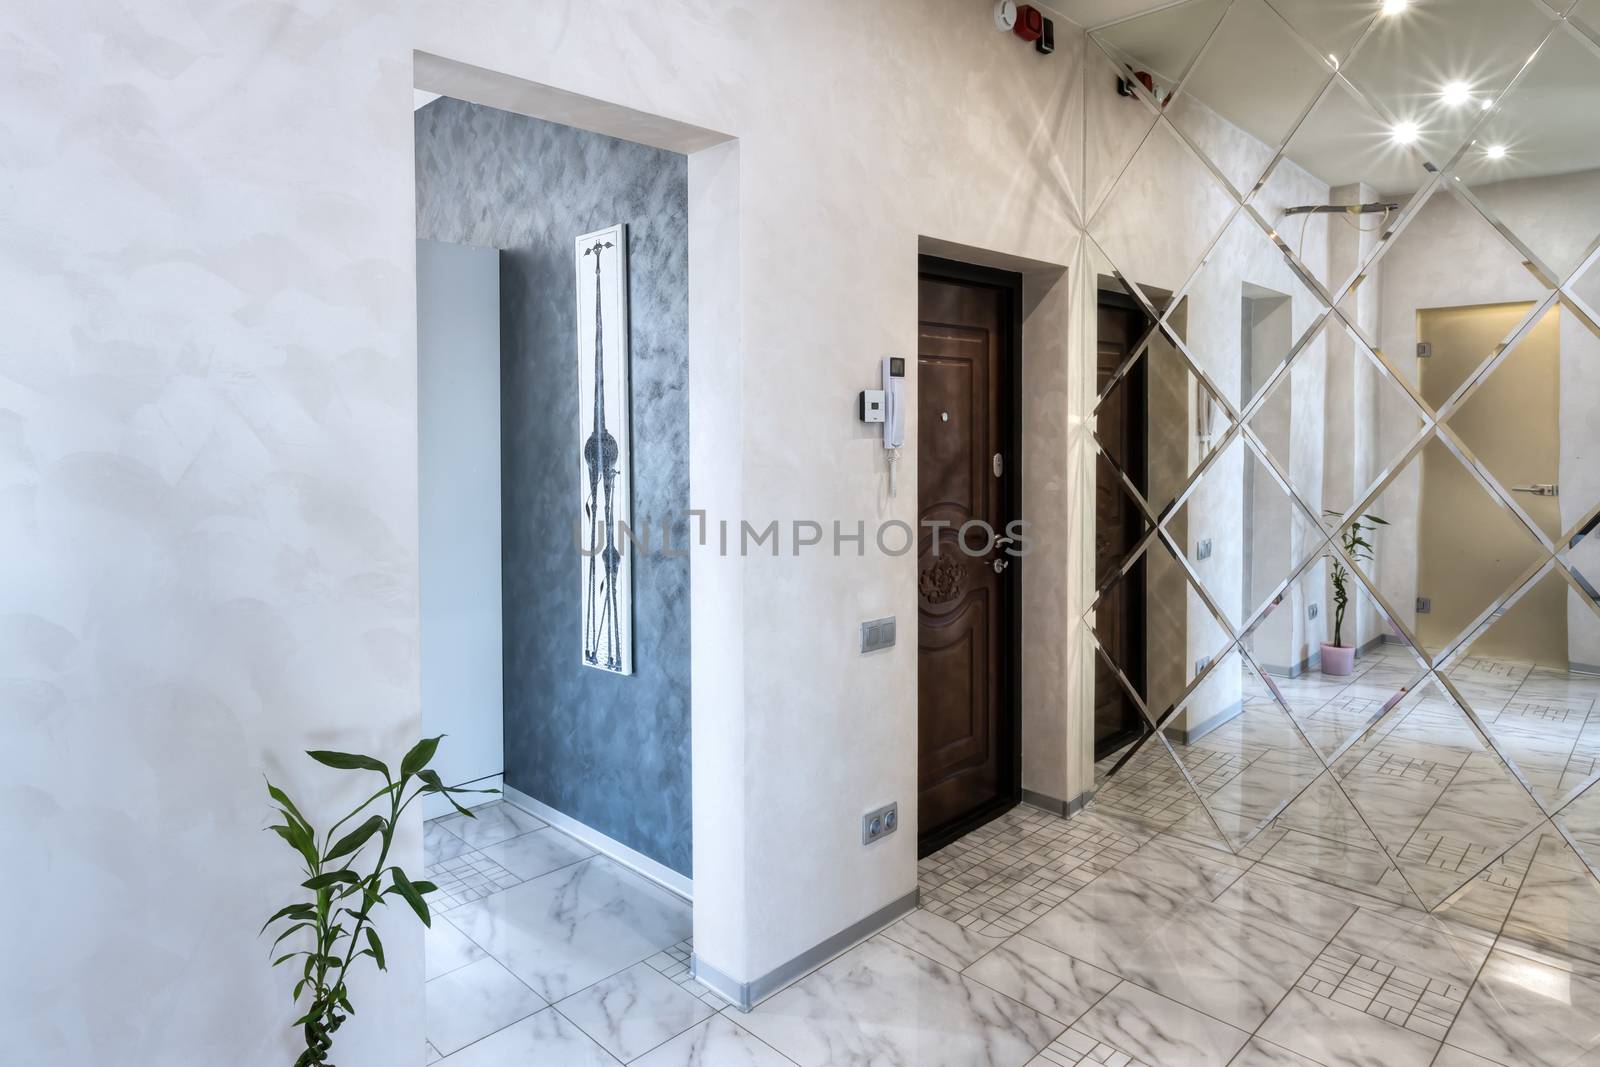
(1339, 659)
(334, 919)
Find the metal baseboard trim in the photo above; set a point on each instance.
(612, 849)
(1054, 805)
(746, 995)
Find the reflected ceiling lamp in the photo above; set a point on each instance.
(1405, 133)
(1394, 7)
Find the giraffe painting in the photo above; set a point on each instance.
(604, 450)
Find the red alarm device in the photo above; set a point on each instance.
(1030, 22)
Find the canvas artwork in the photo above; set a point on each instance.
(605, 456)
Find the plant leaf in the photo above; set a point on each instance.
(348, 761)
(403, 886)
(330, 878)
(356, 838)
(420, 755)
(293, 911)
(377, 948)
(288, 805)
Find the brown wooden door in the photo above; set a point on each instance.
(966, 632)
(1119, 621)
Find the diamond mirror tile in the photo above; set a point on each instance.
(1283, 76)
(1337, 391)
(1435, 64)
(1364, 633)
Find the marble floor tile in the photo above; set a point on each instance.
(882, 1005)
(940, 939)
(446, 949)
(1530, 1013)
(1314, 913)
(1233, 963)
(1109, 922)
(1226, 962)
(539, 852)
(1046, 980)
(1337, 1035)
(543, 1038)
(491, 824)
(633, 1011)
(473, 1002)
(1152, 1029)
(568, 929)
(439, 844)
(1454, 1057)
(1259, 1053)
(1423, 944)
(719, 1042)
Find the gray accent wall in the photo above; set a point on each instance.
(612, 752)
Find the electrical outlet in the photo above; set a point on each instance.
(880, 823)
(1202, 549)
(1424, 605)
(1313, 610)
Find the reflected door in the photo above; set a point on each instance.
(966, 632)
(1527, 454)
(1121, 423)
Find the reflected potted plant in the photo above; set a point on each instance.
(1339, 659)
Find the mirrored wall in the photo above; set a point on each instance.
(1348, 424)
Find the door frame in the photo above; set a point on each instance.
(1008, 283)
(1123, 302)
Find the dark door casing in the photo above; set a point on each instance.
(969, 611)
(1119, 620)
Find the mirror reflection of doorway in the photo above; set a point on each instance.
(1122, 419)
(1458, 339)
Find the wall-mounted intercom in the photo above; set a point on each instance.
(887, 406)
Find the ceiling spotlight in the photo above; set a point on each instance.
(1457, 93)
(1394, 7)
(1488, 102)
(1405, 133)
(1495, 151)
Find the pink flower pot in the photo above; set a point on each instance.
(1338, 660)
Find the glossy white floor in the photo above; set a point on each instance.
(1043, 941)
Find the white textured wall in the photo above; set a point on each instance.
(209, 518)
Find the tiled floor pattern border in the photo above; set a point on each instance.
(1418, 1002)
(1002, 876)
(673, 963)
(465, 878)
(1077, 1049)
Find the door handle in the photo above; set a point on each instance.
(1538, 490)
(999, 564)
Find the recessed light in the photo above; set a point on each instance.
(1405, 133)
(1394, 7)
(1495, 151)
(1488, 102)
(1457, 93)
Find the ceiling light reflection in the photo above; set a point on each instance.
(1405, 133)
(1394, 7)
(1457, 93)
(1495, 151)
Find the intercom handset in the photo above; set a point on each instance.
(894, 413)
